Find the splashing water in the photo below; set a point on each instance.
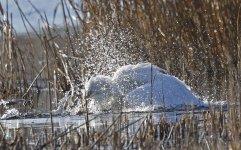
(110, 47)
(10, 113)
(101, 51)
(134, 86)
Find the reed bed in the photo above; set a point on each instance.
(197, 41)
(204, 130)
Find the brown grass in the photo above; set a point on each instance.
(203, 130)
(197, 41)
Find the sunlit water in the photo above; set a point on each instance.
(40, 126)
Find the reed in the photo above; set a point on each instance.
(197, 41)
(207, 130)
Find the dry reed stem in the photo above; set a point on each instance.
(30, 86)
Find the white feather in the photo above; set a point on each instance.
(136, 85)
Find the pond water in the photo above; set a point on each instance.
(61, 123)
(38, 129)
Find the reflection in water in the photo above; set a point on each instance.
(41, 100)
(38, 126)
(37, 130)
(38, 102)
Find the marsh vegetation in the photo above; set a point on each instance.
(197, 41)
